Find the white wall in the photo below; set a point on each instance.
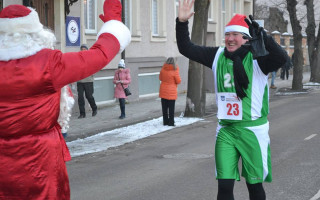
(11, 2)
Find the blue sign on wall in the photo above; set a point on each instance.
(73, 31)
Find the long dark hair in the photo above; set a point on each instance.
(171, 61)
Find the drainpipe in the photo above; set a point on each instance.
(253, 2)
(26, 3)
(123, 54)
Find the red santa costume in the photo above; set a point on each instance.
(32, 149)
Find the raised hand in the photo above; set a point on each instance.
(112, 10)
(185, 10)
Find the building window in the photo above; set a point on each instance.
(90, 16)
(1, 4)
(291, 42)
(223, 18)
(282, 42)
(210, 12)
(149, 84)
(176, 9)
(155, 18)
(158, 20)
(103, 89)
(236, 6)
(128, 13)
(133, 21)
(247, 8)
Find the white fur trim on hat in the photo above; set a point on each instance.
(119, 30)
(237, 28)
(26, 24)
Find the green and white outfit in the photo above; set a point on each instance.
(243, 124)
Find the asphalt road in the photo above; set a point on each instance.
(179, 164)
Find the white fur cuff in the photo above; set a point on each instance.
(119, 30)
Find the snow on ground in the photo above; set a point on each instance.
(105, 140)
(309, 85)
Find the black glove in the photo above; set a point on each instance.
(257, 39)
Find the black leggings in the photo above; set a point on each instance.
(225, 190)
(168, 105)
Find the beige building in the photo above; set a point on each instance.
(152, 25)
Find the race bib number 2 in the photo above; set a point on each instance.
(229, 106)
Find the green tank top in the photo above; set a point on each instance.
(255, 107)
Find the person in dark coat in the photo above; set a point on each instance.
(85, 86)
(285, 69)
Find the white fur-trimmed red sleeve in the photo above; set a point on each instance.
(119, 30)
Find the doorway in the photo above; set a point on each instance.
(45, 9)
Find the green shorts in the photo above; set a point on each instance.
(252, 144)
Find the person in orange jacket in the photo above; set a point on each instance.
(170, 78)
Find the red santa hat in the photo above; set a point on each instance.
(237, 24)
(19, 19)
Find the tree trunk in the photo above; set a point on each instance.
(313, 42)
(196, 95)
(297, 39)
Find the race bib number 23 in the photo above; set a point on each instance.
(229, 106)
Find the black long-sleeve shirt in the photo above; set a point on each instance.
(205, 55)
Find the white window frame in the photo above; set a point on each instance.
(128, 13)
(236, 7)
(210, 12)
(135, 21)
(176, 10)
(155, 32)
(223, 18)
(161, 9)
(86, 8)
(149, 74)
(111, 101)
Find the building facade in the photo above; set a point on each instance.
(286, 42)
(152, 25)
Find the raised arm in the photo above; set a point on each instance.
(113, 37)
(185, 10)
(269, 53)
(201, 54)
(275, 59)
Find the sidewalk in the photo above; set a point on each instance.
(143, 110)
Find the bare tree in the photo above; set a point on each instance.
(313, 42)
(196, 95)
(297, 39)
(273, 18)
(306, 13)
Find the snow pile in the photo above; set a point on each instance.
(105, 140)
